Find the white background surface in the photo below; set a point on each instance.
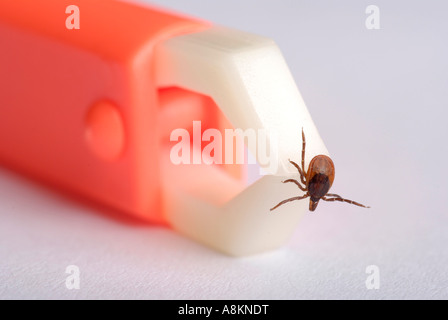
(379, 99)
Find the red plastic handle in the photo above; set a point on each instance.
(79, 108)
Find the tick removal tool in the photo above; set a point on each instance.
(92, 110)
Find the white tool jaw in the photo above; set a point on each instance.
(249, 80)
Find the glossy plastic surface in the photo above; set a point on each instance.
(79, 108)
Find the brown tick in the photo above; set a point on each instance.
(317, 180)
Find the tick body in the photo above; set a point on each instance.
(317, 181)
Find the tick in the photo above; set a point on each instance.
(317, 181)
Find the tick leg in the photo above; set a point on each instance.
(303, 151)
(344, 200)
(295, 182)
(333, 195)
(302, 176)
(306, 195)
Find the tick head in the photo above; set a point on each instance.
(313, 204)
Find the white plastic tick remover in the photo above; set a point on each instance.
(249, 81)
